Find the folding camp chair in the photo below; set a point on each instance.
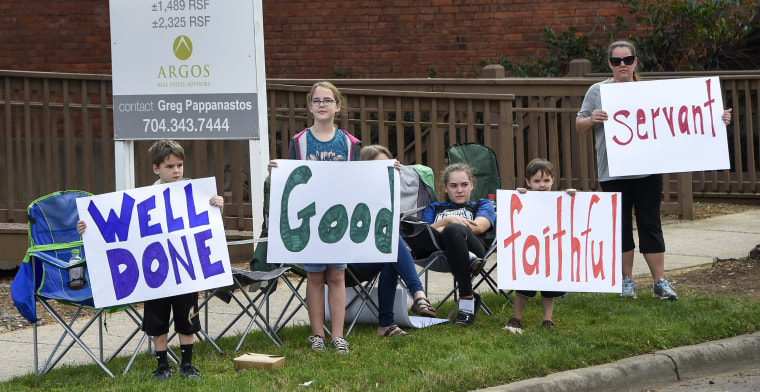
(437, 262)
(361, 298)
(252, 307)
(44, 274)
(484, 166)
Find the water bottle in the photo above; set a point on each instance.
(76, 274)
(492, 199)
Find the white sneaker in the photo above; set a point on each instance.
(340, 345)
(629, 288)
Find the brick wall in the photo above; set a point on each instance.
(318, 39)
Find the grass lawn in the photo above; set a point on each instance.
(591, 329)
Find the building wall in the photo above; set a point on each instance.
(319, 39)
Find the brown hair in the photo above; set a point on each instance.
(336, 94)
(162, 149)
(370, 152)
(538, 165)
(459, 166)
(625, 44)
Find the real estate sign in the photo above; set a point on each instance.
(186, 69)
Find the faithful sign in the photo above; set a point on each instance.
(664, 126)
(333, 212)
(154, 242)
(552, 241)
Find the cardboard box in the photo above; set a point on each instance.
(259, 361)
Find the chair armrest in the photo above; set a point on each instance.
(55, 261)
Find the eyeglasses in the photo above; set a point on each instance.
(628, 60)
(326, 102)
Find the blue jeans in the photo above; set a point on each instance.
(389, 274)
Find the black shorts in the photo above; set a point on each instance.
(544, 294)
(642, 196)
(184, 307)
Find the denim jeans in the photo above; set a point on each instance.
(389, 274)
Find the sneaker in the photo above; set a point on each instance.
(664, 290)
(189, 371)
(629, 288)
(317, 343)
(340, 344)
(163, 372)
(466, 318)
(548, 324)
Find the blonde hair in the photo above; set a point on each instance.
(336, 94)
(625, 44)
(373, 150)
(162, 149)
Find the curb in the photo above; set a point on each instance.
(651, 370)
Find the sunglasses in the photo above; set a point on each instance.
(628, 60)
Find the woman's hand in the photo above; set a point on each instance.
(727, 116)
(397, 165)
(598, 116)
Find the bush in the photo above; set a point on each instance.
(676, 35)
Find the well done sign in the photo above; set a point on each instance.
(552, 241)
(333, 212)
(664, 126)
(154, 242)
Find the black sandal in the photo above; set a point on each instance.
(421, 307)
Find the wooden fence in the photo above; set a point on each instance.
(56, 133)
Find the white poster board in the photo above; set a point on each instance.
(664, 126)
(187, 69)
(333, 212)
(552, 241)
(154, 242)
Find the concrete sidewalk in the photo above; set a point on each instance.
(689, 243)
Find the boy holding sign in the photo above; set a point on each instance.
(168, 163)
(538, 177)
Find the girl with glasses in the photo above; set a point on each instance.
(324, 141)
(641, 193)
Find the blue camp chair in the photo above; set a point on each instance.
(44, 274)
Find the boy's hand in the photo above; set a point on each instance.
(80, 227)
(217, 201)
(522, 190)
(570, 191)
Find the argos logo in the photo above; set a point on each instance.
(182, 48)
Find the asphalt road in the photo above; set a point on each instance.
(744, 381)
